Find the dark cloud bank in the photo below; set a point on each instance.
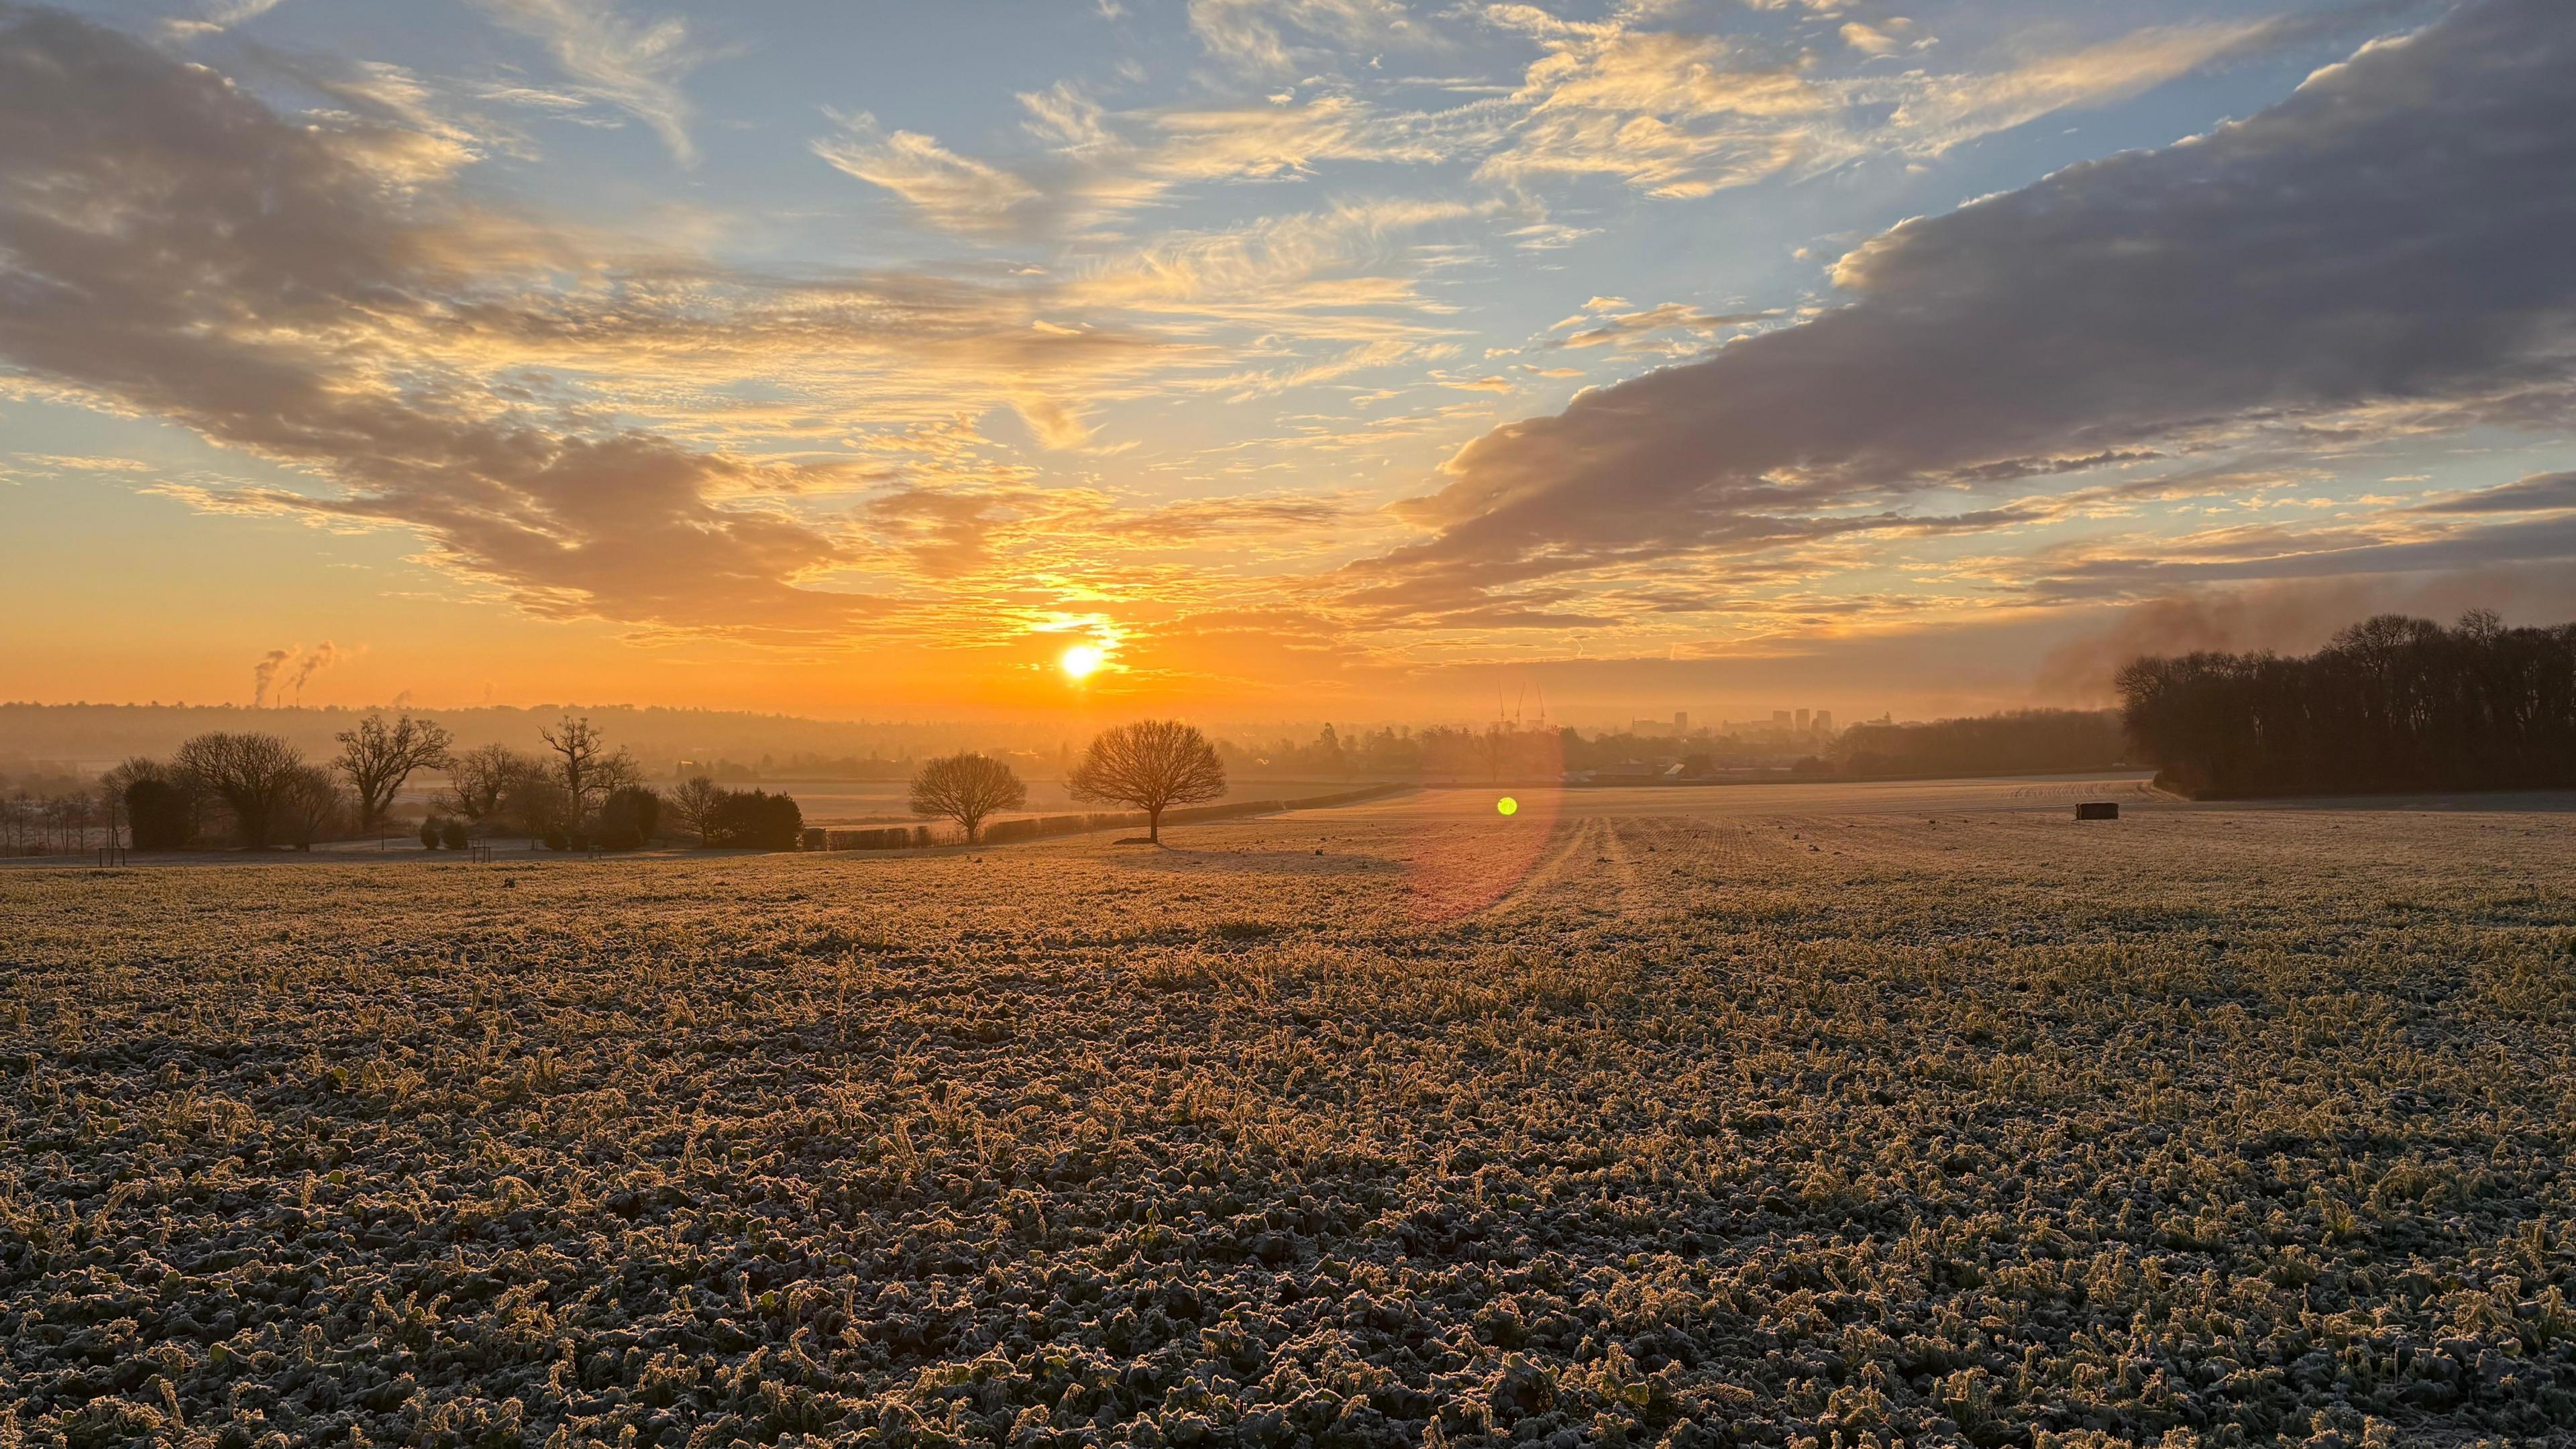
(2392, 237)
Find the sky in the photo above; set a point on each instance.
(1361, 359)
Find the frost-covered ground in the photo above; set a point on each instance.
(1846, 1115)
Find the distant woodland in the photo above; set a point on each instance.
(2393, 703)
(2022, 742)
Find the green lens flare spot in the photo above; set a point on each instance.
(1507, 806)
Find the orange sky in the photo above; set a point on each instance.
(1356, 359)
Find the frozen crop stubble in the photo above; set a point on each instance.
(1740, 1129)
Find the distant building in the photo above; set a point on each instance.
(1802, 721)
(1681, 722)
(1824, 721)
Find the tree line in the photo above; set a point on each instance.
(2392, 703)
(2019, 742)
(258, 791)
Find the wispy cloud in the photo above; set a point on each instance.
(953, 192)
(636, 66)
(1268, 35)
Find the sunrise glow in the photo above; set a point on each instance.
(1081, 661)
(1356, 359)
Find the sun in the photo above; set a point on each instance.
(1080, 660)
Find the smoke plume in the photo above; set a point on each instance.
(2292, 617)
(264, 673)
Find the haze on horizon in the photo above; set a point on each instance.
(1296, 358)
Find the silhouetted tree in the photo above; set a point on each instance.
(538, 803)
(309, 806)
(377, 758)
(585, 767)
(2022, 742)
(967, 788)
(694, 803)
(2392, 703)
(756, 820)
(250, 773)
(160, 814)
(479, 780)
(627, 817)
(1152, 765)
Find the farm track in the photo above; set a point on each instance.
(1917, 1116)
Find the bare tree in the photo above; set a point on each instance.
(377, 758)
(588, 770)
(479, 780)
(611, 773)
(694, 804)
(308, 806)
(250, 773)
(967, 788)
(578, 742)
(1153, 765)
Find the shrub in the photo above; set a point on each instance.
(429, 835)
(756, 820)
(627, 817)
(159, 814)
(454, 833)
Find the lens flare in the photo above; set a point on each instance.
(1507, 806)
(1080, 660)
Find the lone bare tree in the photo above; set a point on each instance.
(1153, 765)
(967, 788)
(377, 758)
(250, 773)
(694, 804)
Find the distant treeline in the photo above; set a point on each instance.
(2392, 703)
(2023, 742)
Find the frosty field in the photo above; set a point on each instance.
(1834, 1115)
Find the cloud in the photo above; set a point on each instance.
(1938, 112)
(1867, 39)
(1632, 328)
(1676, 114)
(635, 66)
(315, 296)
(217, 17)
(1263, 35)
(1275, 269)
(2539, 493)
(2372, 244)
(953, 192)
(1671, 114)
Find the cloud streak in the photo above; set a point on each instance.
(636, 66)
